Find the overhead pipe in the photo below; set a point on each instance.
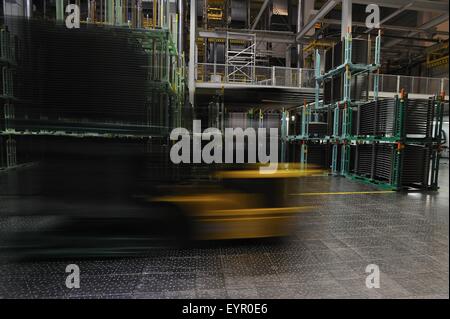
(28, 9)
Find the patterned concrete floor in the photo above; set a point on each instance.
(406, 235)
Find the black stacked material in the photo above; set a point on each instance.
(318, 129)
(319, 154)
(238, 13)
(338, 54)
(383, 162)
(364, 160)
(334, 57)
(359, 51)
(385, 117)
(367, 118)
(332, 88)
(354, 128)
(358, 89)
(376, 118)
(416, 165)
(419, 118)
(93, 78)
(327, 85)
(216, 52)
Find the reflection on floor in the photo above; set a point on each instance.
(405, 234)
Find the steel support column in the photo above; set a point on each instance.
(60, 10)
(192, 32)
(300, 21)
(346, 24)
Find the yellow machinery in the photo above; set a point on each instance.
(246, 204)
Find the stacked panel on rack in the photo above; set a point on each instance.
(419, 118)
(334, 57)
(397, 142)
(319, 154)
(376, 118)
(364, 158)
(416, 166)
(385, 122)
(384, 159)
(95, 82)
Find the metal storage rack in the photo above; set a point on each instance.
(398, 145)
(329, 124)
(392, 143)
(164, 92)
(166, 75)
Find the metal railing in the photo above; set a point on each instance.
(254, 75)
(304, 78)
(412, 84)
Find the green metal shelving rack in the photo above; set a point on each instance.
(342, 139)
(400, 139)
(167, 72)
(336, 138)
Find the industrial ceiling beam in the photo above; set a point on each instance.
(327, 7)
(426, 26)
(386, 27)
(418, 5)
(261, 35)
(393, 14)
(261, 11)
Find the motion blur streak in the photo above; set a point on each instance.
(129, 203)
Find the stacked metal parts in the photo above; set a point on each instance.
(397, 142)
(318, 153)
(419, 118)
(416, 164)
(392, 143)
(332, 88)
(376, 118)
(116, 87)
(309, 138)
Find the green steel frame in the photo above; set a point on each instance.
(166, 91)
(348, 69)
(400, 139)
